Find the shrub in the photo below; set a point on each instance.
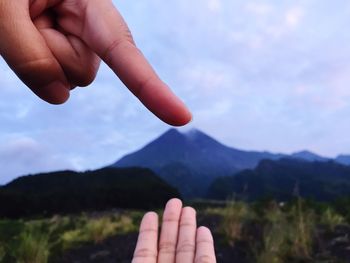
(302, 222)
(97, 230)
(33, 247)
(275, 236)
(331, 219)
(236, 214)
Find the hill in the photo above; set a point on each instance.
(72, 192)
(284, 179)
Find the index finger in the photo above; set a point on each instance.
(108, 35)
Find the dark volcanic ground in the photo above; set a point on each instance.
(329, 247)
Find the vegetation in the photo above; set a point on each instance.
(32, 247)
(71, 192)
(260, 232)
(321, 181)
(235, 216)
(41, 241)
(282, 232)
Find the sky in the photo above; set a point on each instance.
(257, 75)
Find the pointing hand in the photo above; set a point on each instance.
(56, 45)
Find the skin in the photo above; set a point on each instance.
(56, 45)
(180, 240)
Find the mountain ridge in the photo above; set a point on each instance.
(201, 158)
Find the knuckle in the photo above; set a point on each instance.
(149, 231)
(37, 72)
(185, 247)
(204, 259)
(123, 41)
(187, 222)
(36, 65)
(205, 241)
(82, 77)
(144, 253)
(167, 247)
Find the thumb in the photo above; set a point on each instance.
(26, 52)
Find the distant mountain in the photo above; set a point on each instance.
(284, 179)
(309, 156)
(343, 159)
(72, 192)
(191, 161)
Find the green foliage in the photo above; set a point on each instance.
(287, 231)
(268, 231)
(303, 224)
(38, 241)
(236, 214)
(274, 241)
(97, 229)
(331, 218)
(275, 235)
(32, 247)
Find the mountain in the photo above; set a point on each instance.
(343, 159)
(191, 161)
(72, 192)
(284, 179)
(309, 156)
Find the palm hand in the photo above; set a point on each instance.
(180, 240)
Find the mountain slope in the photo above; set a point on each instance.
(195, 157)
(72, 192)
(309, 156)
(343, 159)
(284, 179)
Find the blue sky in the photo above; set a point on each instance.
(257, 75)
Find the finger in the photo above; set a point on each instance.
(110, 38)
(169, 232)
(146, 247)
(186, 244)
(26, 52)
(79, 63)
(205, 252)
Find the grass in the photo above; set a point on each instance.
(38, 241)
(268, 232)
(33, 247)
(331, 219)
(235, 216)
(303, 224)
(287, 232)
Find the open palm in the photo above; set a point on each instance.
(180, 240)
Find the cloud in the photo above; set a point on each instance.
(20, 155)
(253, 73)
(215, 5)
(294, 16)
(260, 9)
